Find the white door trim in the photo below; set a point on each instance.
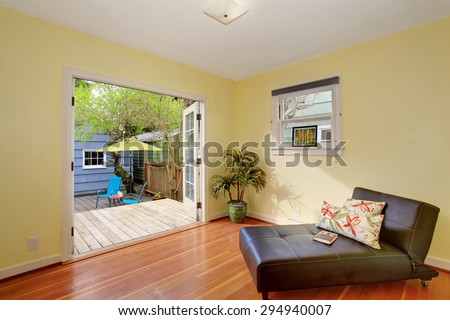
(69, 73)
(190, 205)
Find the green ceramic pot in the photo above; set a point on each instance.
(237, 211)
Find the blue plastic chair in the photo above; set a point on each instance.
(133, 198)
(113, 189)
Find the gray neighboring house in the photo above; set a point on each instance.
(92, 169)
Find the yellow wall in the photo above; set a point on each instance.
(395, 99)
(32, 56)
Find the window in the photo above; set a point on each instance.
(310, 105)
(93, 159)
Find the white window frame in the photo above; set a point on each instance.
(322, 149)
(93, 166)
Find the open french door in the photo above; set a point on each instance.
(192, 161)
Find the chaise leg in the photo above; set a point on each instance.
(424, 283)
(265, 295)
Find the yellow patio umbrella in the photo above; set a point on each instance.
(131, 144)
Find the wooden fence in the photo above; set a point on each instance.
(157, 178)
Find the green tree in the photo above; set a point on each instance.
(122, 113)
(168, 117)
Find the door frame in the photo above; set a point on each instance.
(70, 73)
(190, 205)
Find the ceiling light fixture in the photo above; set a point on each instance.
(225, 11)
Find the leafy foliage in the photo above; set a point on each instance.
(122, 113)
(241, 172)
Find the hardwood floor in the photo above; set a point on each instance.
(199, 263)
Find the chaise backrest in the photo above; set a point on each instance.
(408, 224)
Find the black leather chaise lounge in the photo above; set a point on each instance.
(285, 257)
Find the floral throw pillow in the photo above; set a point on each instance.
(368, 208)
(329, 210)
(351, 224)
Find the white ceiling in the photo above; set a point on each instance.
(274, 33)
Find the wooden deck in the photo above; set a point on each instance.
(99, 228)
(87, 202)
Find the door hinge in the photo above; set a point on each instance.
(73, 101)
(199, 205)
(199, 116)
(199, 161)
(71, 166)
(72, 231)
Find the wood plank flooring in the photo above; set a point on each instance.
(200, 263)
(100, 228)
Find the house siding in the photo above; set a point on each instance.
(139, 163)
(89, 181)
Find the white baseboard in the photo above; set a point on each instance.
(438, 263)
(255, 216)
(272, 219)
(22, 268)
(217, 216)
(264, 218)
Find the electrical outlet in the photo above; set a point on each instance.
(33, 243)
(297, 212)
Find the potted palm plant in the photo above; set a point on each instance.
(241, 172)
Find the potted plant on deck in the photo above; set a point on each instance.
(241, 172)
(158, 196)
